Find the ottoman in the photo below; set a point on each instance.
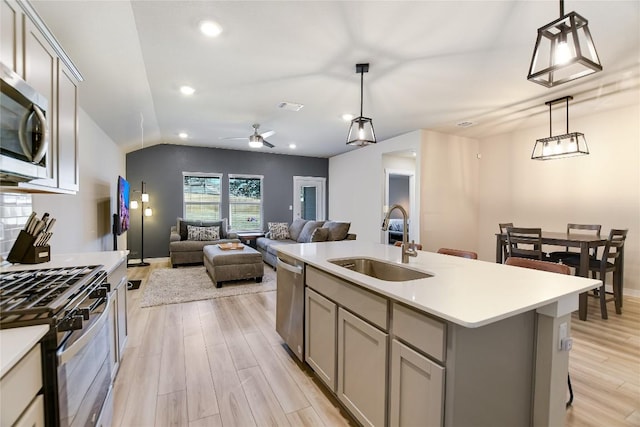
(234, 264)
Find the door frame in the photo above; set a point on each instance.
(321, 199)
(413, 211)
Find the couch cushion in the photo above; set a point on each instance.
(307, 231)
(278, 230)
(202, 233)
(271, 248)
(296, 227)
(182, 224)
(320, 234)
(222, 223)
(337, 230)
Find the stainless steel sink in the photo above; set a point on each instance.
(381, 270)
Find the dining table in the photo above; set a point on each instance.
(572, 240)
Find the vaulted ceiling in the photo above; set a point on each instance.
(434, 64)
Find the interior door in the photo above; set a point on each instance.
(309, 197)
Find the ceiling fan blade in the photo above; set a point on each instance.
(267, 134)
(238, 138)
(268, 144)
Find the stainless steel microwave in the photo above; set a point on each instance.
(24, 132)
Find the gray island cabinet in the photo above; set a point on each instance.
(475, 344)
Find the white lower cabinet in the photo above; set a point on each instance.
(417, 386)
(320, 332)
(33, 416)
(362, 369)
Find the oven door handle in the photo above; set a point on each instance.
(64, 355)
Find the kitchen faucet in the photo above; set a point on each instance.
(408, 249)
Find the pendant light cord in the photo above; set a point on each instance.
(361, 90)
(561, 8)
(567, 114)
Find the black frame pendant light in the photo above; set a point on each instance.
(564, 51)
(560, 146)
(361, 131)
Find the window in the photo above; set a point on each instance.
(245, 202)
(201, 195)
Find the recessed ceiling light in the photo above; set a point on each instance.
(292, 146)
(347, 117)
(183, 135)
(210, 28)
(187, 90)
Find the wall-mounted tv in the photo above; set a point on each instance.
(122, 216)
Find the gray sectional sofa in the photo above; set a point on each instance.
(300, 231)
(183, 250)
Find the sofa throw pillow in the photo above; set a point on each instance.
(183, 224)
(337, 230)
(278, 230)
(296, 227)
(222, 223)
(203, 233)
(307, 231)
(320, 234)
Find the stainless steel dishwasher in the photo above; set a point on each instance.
(290, 304)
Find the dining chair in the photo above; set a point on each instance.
(458, 253)
(503, 230)
(610, 262)
(523, 242)
(418, 246)
(550, 267)
(562, 255)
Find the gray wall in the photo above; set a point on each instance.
(161, 167)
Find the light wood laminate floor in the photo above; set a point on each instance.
(221, 363)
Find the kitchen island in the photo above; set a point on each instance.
(477, 343)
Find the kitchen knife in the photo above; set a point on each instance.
(38, 228)
(27, 225)
(50, 225)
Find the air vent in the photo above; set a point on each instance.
(290, 106)
(465, 124)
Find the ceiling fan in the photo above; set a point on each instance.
(256, 140)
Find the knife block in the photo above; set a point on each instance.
(24, 252)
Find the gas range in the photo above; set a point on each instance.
(75, 303)
(45, 296)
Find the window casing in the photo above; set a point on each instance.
(201, 195)
(245, 202)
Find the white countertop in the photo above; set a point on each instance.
(467, 292)
(15, 343)
(110, 260)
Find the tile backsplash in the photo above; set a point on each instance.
(15, 209)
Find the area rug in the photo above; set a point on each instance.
(176, 285)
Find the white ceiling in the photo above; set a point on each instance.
(433, 64)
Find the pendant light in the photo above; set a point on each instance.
(361, 132)
(564, 51)
(560, 146)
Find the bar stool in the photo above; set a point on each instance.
(458, 253)
(609, 263)
(418, 246)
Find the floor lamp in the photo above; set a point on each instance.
(145, 211)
